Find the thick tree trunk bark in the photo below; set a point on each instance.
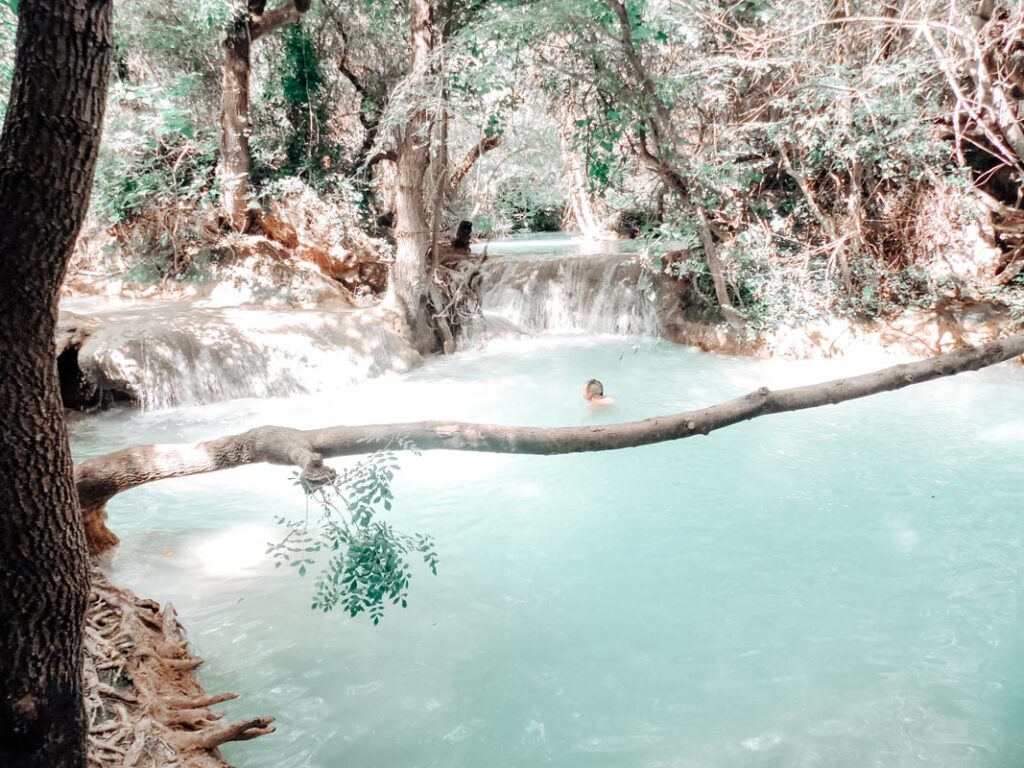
(102, 478)
(48, 154)
(235, 123)
(407, 287)
(235, 158)
(236, 164)
(437, 303)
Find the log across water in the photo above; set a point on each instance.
(100, 479)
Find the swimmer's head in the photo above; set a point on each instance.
(593, 390)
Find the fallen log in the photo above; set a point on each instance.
(101, 478)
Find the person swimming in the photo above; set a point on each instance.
(593, 392)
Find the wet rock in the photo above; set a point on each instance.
(77, 390)
(72, 331)
(255, 270)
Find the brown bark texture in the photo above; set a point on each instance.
(407, 288)
(48, 152)
(235, 122)
(101, 478)
(236, 164)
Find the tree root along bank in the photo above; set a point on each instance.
(100, 479)
(144, 705)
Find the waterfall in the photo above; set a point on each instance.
(162, 354)
(598, 294)
(180, 354)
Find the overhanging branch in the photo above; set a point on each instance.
(100, 479)
(478, 150)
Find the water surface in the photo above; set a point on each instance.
(839, 587)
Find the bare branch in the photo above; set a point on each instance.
(836, 243)
(485, 145)
(390, 155)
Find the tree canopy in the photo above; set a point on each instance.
(786, 158)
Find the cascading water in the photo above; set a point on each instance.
(837, 587)
(171, 354)
(163, 354)
(598, 294)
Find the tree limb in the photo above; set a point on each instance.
(660, 122)
(674, 181)
(389, 154)
(265, 23)
(836, 243)
(100, 479)
(485, 145)
(344, 66)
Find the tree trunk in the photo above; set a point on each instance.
(660, 158)
(437, 303)
(102, 478)
(48, 154)
(235, 158)
(580, 212)
(372, 103)
(707, 242)
(407, 287)
(580, 197)
(235, 122)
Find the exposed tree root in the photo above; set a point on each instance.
(145, 707)
(454, 292)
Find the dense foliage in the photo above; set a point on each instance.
(786, 159)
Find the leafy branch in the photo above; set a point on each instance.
(367, 565)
